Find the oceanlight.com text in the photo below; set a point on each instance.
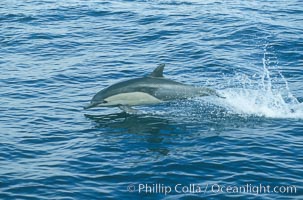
(145, 188)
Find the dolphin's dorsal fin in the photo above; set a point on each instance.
(158, 72)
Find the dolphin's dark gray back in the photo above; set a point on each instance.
(155, 85)
(147, 84)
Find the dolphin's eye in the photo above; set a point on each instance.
(105, 101)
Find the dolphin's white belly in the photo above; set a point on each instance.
(131, 99)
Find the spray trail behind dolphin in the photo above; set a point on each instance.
(268, 96)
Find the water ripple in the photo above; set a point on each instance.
(55, 56)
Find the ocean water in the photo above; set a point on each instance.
(55, 55)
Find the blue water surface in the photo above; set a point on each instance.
(55, 55)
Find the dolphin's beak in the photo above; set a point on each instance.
(91, 105)
(95, 104)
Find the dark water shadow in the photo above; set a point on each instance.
(154, 130)
(159, 131)
(132, 123)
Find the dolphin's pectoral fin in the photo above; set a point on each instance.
(129, 109)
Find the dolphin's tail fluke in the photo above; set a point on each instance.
(208, 92)
(219, 95)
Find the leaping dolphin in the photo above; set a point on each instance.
(151, 89)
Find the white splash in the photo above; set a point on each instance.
(262, 97)
(261, 103)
